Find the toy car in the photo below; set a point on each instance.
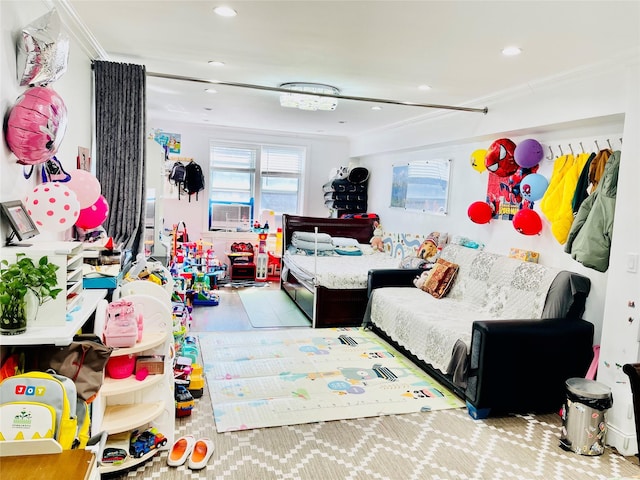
(146, 441)
(114, 456)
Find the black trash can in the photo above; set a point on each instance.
(584, 424)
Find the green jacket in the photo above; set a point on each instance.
(589, 240)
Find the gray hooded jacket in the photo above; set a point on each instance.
(589, 240)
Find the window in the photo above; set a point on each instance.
(261, 177)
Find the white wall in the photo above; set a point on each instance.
(75, 88)
(323, 154)
(600, 104)
(592, 106)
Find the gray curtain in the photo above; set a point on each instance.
(120, 110)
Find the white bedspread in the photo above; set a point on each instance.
(488, 287)
(341, 272)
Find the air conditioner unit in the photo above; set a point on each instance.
(233, 217)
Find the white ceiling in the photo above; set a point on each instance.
(379, 49)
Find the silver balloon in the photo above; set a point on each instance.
(43, 50)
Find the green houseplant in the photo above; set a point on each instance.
(17, 280)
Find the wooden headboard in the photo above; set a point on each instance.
(358, 228)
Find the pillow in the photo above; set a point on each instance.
(430, 249)
(348, 251)
(441, 279)
(412, 262)
(344, 242)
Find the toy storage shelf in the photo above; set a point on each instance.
(149, 341)
(112, 386)
(130, 462)
(128, 404)
(121, 418)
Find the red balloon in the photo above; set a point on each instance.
(527, 222)
(480, 212)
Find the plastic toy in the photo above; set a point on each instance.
(376, 240)
(114, 456)
(146, 441)
(184, 401)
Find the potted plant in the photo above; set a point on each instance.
(17, 281)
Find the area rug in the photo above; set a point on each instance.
(267, 307)
(293, 376)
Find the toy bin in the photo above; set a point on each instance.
(121, 366)
(583, 416)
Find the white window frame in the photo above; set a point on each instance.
(259, 150)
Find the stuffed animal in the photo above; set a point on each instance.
(376, 240)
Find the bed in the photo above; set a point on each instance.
(330, 290)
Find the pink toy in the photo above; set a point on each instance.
(123, 325)
(36, 125)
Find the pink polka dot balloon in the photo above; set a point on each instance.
(53, 207)
(93, 216)
(86, 186)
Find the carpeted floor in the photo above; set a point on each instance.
(446, 444)
(440, 445)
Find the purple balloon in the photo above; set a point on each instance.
(528, 153)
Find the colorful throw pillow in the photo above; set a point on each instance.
(441, 279)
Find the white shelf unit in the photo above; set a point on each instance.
(67, 256)
(39, 333)
(127, 404)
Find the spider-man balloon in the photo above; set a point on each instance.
(499, 159)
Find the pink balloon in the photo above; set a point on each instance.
(36, 125)
(53, 207)
(86, 186)
(93, 216)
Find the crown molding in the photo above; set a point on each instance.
(76, 27)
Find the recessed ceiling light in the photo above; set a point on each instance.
(216, 63)
(376, 108)
(424, 87)
(511, 51)
(225, 11)
(210, 90)
(208, 109)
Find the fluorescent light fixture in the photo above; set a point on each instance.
(511, 51)
(225, 11)
(210, 90)
(424, 87)
(216, 63)
(304, 96)
(376, 108)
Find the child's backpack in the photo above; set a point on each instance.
(41, 405)
(194, 179)
(178, 173)
(123, 325)
(177, 176)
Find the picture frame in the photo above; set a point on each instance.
(84, 159)
(22, 225)
(421, 186)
